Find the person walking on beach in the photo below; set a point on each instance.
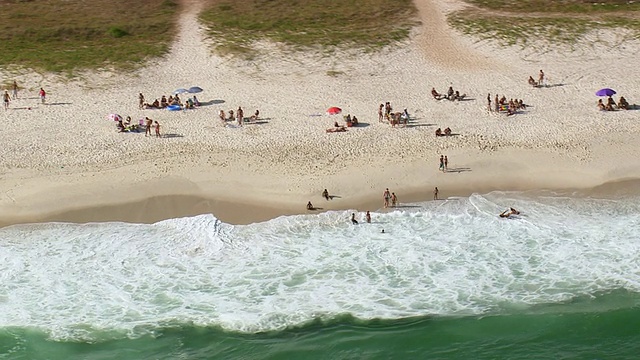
(489, 102)
(15, 90)
(446, 163)
(5, 100)
(442, 163)
(540, 78)
(353, 219)
(43, 95)
(368, 217)
(157, 129)
(387, 196)
(140, 101)
(394, 200)
(148, 123)
(435, 193)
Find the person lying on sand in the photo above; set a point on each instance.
(337, 129)
(532, 82)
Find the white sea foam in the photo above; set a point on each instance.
(440, 258)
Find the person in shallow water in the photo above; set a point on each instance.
(353, 219)
(509, 212)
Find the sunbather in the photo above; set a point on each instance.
(336, 129)
(601, 105)
(623, 104)
(457, 96)
(450, 93)
(532, 82)
(163, 102)
(447, 131)
(438, 132)
(255, 115)
(435, 94)
(195, 101)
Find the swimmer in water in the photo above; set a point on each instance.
(507, 213)
(382, 231)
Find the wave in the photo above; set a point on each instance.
(453, 258)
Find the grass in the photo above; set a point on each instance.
(64, 36)
(236, 25)
(561, 22)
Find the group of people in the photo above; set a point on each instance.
(394, 118)
(450, 95)
(6, 98)
(611, 104)
(127, 126)
(165, 102)
(501, 104)
(446, 132)
(540, 81)
(367, 218)
(237, 116)
(390, 198)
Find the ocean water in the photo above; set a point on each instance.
(447, 280)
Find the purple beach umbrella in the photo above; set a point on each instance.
(605, 92)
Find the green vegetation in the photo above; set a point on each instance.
(62, 36)
(236, 25)
(518, 21)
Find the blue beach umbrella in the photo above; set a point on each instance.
(195, 89)
(180, 91)
(605, 92)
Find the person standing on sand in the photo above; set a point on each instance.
(496, 103)
(368, 217)
(386, 195)
(446, 163)
(157, 129)
(540, 78)
(441, 163)
(15, 90)
(148, 123)
(380, 113)
(140, 101)
(489, 102)
(43, 95)
(435, 193)
(394, 200)
(240, 115)
(5, 100)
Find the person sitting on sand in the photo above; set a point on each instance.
(170, 100)
(196, 102)
(325, 194)
(255, 115)
(231, 115)
(503, 100)
(609, 106)
(120, 126)
(222, 116)
(435, 94)
(189, 104)
(623, 104)
(450, 93)
(310, 206)
(601, 105)
(354, 121)
(447, 131)
(163, 101)
(532, 82)
(457, 96)
(438, 132)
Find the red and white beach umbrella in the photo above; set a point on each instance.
(334, 110)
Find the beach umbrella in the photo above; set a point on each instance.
(195, 89)
(605, 92)
(334, 110)
(180, 91)
(114, 117)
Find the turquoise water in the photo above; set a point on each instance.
(447, 280)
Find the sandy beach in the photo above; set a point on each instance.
(65, 161)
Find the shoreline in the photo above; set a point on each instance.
(156, 208)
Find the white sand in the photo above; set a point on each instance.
(67, 155)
